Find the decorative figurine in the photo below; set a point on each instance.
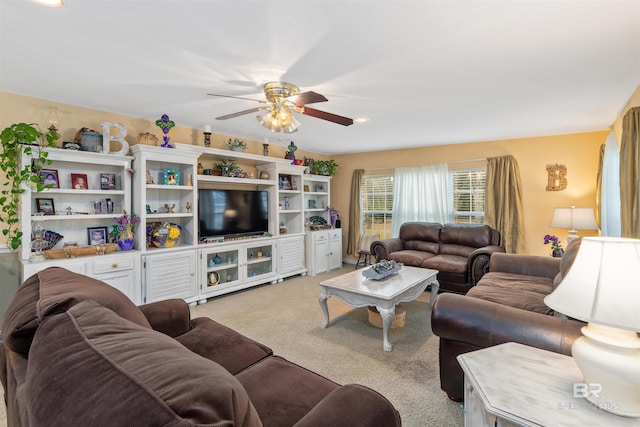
(188, 207)
(165, 124)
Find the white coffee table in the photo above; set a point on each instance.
(357, 291)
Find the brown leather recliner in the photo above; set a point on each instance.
(459, 252)
(506, 305)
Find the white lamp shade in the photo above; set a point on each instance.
(574, 219)
(603, 284)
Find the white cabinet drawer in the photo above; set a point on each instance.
(113, 265)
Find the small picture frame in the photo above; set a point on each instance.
(49, 177)
(45, 206)
(107, 181)
(312, 204)
(307, 188)
(171, 177)
(320, 188)
(79, 181)
(97, 235)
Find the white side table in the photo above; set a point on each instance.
(516, 385)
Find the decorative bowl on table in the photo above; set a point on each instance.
(382, 270)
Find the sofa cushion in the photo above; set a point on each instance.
(423, 246)
(283, 392)
(53, 291)
(410, 257)
(125, 374)
(423, 231)
(475, 236)
(223, 345)
(567, 261)
(456, 250)
(514, 290)
(449, 263)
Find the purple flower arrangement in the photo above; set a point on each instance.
(165, 124)
(553, 240)
(126, 219)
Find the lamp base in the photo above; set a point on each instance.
(573, 235)
(609, 359)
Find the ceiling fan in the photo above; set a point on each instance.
(282, 99)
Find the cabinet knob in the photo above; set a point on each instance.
(114, 265)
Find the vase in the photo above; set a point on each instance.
(126, 238)
(126, 244)
(557, 253)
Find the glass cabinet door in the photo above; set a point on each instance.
(222, 267)
(259, 260)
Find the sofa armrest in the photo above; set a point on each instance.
(484, 323)
(382, 248)
(467, 324)
(352, 405)
(528, 265)
(171, 317)
(478, 262)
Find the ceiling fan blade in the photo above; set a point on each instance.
(239, 113)
(341, 120)
(304, 98)
(237, 97)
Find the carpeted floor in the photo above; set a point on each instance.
(286, 317)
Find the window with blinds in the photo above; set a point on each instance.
(376, 205)
(468, 195)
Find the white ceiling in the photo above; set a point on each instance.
(422, 72)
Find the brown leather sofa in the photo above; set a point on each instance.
(507, 304)
(77, 352)
(459, 252)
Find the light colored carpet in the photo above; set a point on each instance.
(286, 317)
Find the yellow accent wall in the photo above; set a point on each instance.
(579, 152)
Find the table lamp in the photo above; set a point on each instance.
(602, 288)
(574, 219)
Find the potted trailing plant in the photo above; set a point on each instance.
(17, 139)
(228, 167)
(325, 167)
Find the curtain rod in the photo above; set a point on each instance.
(457, 161)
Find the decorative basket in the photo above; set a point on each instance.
(382, 270)
(165, 235)
(147, 138)
(77, 251)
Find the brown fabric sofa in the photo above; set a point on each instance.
(459, 252)
(78, 352)
(506, 305)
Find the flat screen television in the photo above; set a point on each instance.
(232, 212)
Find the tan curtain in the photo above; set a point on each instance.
(354, 212)
(599, 186)
(503, 198)
(630, 174)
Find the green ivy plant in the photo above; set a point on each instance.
(228, 167)
(17, 139)
(325, 167)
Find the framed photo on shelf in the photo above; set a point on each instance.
(171, 177)
(45, 206)
(97, 235)
(320, 188)
(79, 181)
(312, 204)
(107, 181)
(49, 177)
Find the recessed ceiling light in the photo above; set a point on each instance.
(50, 3)
(361, 120)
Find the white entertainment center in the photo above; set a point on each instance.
(191, 269)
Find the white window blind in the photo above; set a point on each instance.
(376, 205)
(468, 195)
